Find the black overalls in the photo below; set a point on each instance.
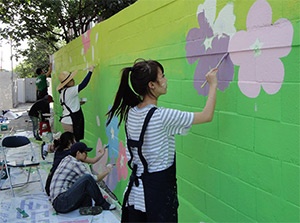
(77, 119)
(160, 188)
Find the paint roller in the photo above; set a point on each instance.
(219, 63)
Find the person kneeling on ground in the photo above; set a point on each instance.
(73, 186)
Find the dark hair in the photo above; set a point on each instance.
(38, 71)
(142, 72)
(64, 141)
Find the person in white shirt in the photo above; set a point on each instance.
(72, 118)
(151, 194)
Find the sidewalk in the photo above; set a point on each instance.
(31, 198)
(22, 123)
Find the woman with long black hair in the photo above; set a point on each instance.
(151, 195)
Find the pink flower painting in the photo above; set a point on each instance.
(121, 163)
(101, 164)
(86, 40)
(258, 50)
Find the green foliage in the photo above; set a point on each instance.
(52, 23)
(54, 20)
(36, 56)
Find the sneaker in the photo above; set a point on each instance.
(42, 151)
(38, 138)
(45, 153)
(109, 207)
(92, 210)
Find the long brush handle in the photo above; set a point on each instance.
(218, 64)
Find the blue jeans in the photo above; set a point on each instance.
(35, 126)
(81, 194)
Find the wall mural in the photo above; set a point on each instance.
(116, 154)
(112, 133)
(207, 44)
(256, 35)
(262, 45)
(256, 51)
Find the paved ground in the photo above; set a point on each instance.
(22, 123)
(31, 198)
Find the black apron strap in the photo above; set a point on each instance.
(133, 143)
(141, 140)
(62, 103)
(77, 119)
(133, 178)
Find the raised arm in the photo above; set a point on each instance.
(48, 74)
(87, 78)
(93, 160)
(208, 112)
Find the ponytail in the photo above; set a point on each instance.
(133, 87)
(125, 98)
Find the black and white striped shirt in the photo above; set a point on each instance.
(159, 142)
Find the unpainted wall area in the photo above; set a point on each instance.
(244, 165)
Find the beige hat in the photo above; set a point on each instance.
(64, 78)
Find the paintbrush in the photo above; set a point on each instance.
(219, 63)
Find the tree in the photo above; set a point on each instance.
(52, 21)
(36, 56)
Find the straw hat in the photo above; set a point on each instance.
(64, 78)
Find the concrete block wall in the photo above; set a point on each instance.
(6, 101)
(243, 166)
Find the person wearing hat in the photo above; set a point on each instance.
(73, 186)
(41, 81)
(72, 118)
(36, 111)
(61, 148)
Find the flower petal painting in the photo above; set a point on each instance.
(258, 50)
(208, 43)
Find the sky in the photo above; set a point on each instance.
(5, 54)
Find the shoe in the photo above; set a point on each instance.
(42, 151)
(45, 153)
(38, 138)
(92, 210)
(109, 207)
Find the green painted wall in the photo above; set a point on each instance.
(243, 166)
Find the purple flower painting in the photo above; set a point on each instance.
(111, 179)
(207, 44)
(258, 50)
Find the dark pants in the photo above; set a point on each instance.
(42, 93)
(35, 126)
(81, 194)
(160, 191)
(136, 215)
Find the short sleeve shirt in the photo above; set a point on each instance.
(41, 106)
(41, 82)
(67, 173)
(159, 142)
(72, 101)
